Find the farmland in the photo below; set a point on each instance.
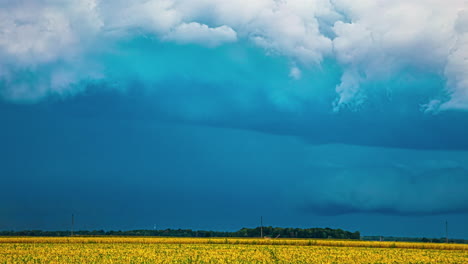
(221, 250)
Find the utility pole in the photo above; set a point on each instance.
(446, 232)
(73, 224)
(261, 226)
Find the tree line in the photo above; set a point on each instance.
(266, 231)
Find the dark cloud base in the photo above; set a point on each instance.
(336, 209)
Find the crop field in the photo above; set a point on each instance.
(221, 250)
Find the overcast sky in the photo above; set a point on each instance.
(208, 114)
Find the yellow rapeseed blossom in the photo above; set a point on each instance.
(221, 250)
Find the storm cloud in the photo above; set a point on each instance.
(204, 113)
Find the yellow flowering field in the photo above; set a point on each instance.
(221, 250)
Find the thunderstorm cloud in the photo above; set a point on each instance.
(351, 107)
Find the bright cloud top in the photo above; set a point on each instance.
(49, 47)
(202, 34)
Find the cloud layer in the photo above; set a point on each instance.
(56, 47)
(179, 166)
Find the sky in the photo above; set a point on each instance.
(208, 114)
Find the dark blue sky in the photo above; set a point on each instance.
(308, 115)
(117, 163)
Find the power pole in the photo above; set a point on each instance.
(446, 232)
(261, 226)
(73, 224)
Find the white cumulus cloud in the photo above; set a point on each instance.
(383, 38)
(42, 47)
(370, 40)
(201, 34)
(456, 69)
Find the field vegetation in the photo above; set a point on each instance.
(222, 250)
